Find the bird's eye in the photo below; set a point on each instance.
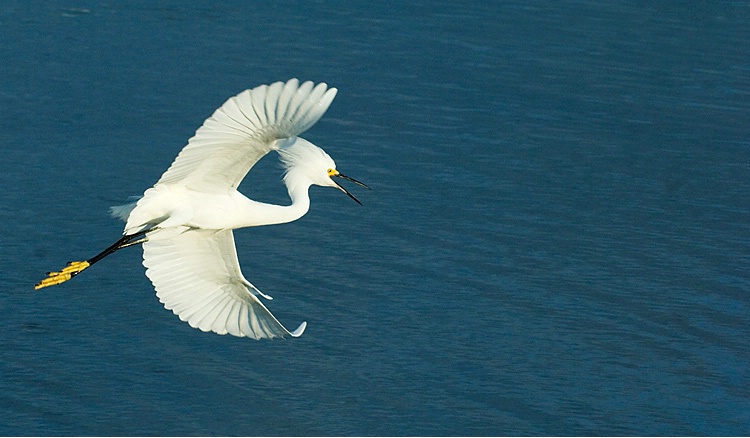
(331, 172)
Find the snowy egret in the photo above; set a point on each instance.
(185, 220)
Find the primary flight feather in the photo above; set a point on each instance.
(185, 220)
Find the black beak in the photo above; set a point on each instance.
(340, 175)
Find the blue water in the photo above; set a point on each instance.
(557, 241)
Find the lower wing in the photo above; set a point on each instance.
(197, 275)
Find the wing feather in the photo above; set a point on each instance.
(285, 98)
(243, 130)
(211, 313)
(273, 93)
(197, 275)
(258, 101)
(244, 103)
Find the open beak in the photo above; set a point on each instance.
(337, 174)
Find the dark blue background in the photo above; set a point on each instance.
(557, 242)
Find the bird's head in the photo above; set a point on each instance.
(306, 163)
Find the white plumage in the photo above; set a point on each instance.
(185, 221)
(243, 130)
(197, 275)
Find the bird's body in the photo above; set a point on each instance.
(168, 207)
(185, 221)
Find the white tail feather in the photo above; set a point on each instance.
(122, 212)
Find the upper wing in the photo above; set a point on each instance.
(197, 276)
(243, 130)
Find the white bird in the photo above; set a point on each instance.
(185, 220)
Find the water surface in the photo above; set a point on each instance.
(557, 241)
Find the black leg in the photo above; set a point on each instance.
(74, 268)
(124, 242)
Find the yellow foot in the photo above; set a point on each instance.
(68, 272)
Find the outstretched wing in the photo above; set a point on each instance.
(243, 130)
(197, 276)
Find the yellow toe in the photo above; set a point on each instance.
(68, 272)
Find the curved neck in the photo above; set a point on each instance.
(299, 193)
(259, 213)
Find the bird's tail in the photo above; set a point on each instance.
(123, 211)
